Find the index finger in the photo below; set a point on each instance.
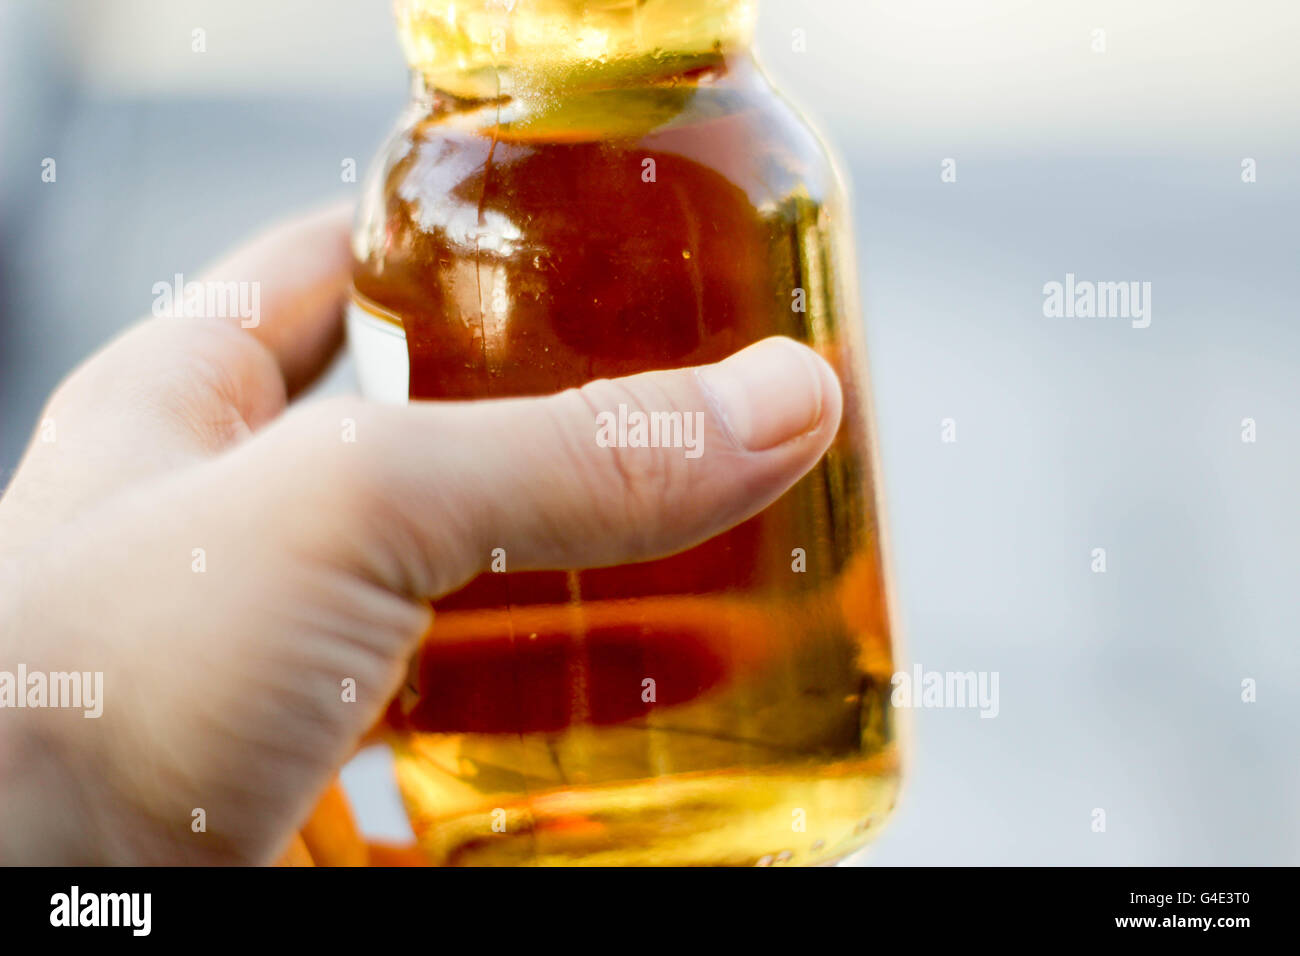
(297, 274)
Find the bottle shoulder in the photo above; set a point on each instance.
(623, 185)
(747, 136)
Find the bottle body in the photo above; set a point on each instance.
(729, 704)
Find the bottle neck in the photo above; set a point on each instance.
(488, 49)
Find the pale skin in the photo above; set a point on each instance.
(223, 687)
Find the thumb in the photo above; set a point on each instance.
(426, 492)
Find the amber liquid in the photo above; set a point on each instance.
(522, 256)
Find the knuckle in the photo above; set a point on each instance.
(635, 483)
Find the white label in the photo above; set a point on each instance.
(379, 350)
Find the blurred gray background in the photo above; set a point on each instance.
(1119, 691)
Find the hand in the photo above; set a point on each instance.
(227, 564)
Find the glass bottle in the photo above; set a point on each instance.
(593, 188)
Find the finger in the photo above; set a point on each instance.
(297, 273)
(330, 833)
(171, 391)
(392, 854)
(425, 494)
(164, 395)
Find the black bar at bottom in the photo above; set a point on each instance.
(437, 906)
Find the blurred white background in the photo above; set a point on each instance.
(1119, 691)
